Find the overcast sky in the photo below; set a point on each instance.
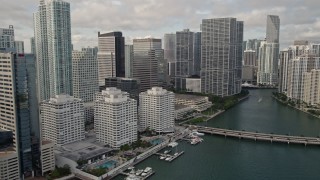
(300, 19)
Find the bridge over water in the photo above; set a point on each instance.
(258, 136)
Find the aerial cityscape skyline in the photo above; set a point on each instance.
(144, 18)
(103, 107)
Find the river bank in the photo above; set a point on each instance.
(297, 108)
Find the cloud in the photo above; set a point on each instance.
(138, 18)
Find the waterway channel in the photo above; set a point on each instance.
(230, 158)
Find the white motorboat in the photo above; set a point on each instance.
(147, 169)
(132, 171)
(196, 133)
(173, 144)
(168, 158)
(139, 171)
(175, 154)
(132, 177)
(162, 157)
(143, 174)
(167, 151)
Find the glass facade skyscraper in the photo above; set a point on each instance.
(221, 56)
(53, 48)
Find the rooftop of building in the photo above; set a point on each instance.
(62, 99)
(188, 96)
(85, 149)
(115, 33)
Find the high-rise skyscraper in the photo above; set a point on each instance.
(169, 45)
(221, 56)
(115, 118)
(7, 37)
(14, 104)
(197, 53)
(33, 46)
(53, 48)
(85, 78)
(19, 46)
(111, 57)
(129, 85)
(184, 57)
(149, 65)
(128, 59)
(269, 53)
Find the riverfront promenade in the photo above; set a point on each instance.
(258, 136)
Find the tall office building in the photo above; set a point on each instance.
(128, 60)
(184, 57)
(157, 110)
(169, 46)
(269, 53)
(273, 29)
(19, 46)
(53, 48)
(149, 65)
(115, 118)
(33, 46)
(85, 78)
(221, 56)
(197, 53)
(129, 85)
(14, 104)
(7, 37)
(249, 58)
(62, 119)
(111, 57)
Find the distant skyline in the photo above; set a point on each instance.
(139, 18)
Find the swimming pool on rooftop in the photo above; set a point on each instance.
(156, 141)
(108, 165)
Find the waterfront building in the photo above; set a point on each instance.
(156, 110)
(149, 65)
(47, 157)
(181, 111)
(184, 57)
(198, 103)
(221, 44)
(85, 78)
(62, 119)
(311, 85)
(296, 68)
(249, 74)
(128, 49)
(197, 53)
(111, 56)
(115, 118)
(129, 85)
(269, 53)
(54, 65)
(292, 52)
(7, 37)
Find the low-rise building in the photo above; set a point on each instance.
(9, 164)
(181, 111)
(199, 103)
(47, 157)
